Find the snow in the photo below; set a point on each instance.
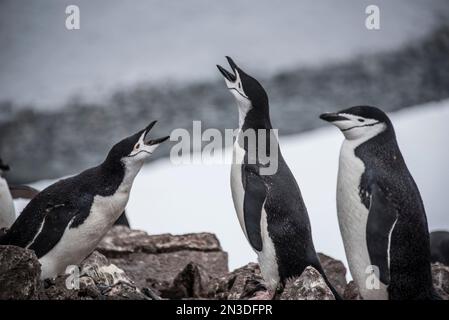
(122, 44)
(197, 198)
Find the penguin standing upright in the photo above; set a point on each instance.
(7, 211)
(64, 223)
(269, 207)
(381, 215)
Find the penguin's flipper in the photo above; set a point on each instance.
(55, 223)
(382, 218)
(255, 195)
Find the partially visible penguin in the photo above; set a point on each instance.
(381, 215)
(439, 247)
(269, 206)
(7, 211)
(64, 223)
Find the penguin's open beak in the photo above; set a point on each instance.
(150, 142)
(332, 117)
(231, 77)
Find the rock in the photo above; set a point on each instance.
(20, 271)
(191, 282)
(96, 278)
(98, 275)
(440, 275)
(56, 289)
(242, 283)
(335, 271)
(121, 240)
(351, 292)
(155, 261)
(309, 286)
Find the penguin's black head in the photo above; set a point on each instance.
(247, 90)
(135, 148)
(359, 122)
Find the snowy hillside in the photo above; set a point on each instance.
(195, 198)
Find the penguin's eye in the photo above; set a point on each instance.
(137, 146)
(361, 120)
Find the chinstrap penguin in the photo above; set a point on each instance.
(381, 215)
(64, 223)
(269, 207)
(7, 210)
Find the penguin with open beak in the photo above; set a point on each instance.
(269, 207)
(64, 223)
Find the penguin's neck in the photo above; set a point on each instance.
(253, 118)
(119, 175)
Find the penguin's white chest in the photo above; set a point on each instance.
(266, 257)
(353, 218)
(7, 212)
(77, 243)
(238, 192)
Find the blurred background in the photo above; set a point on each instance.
(67, 96)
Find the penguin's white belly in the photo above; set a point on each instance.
(7, 211)
(266, 257)
(77, 243)
(353, 218)
(238, 192)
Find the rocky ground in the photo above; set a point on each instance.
(130, 264)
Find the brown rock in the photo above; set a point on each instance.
(335, 271)
(351, 292)
(122, 240)
(309, 286)
(440, 275)
(57, 290)
(20, 271)
(155, 261)
(97, 278)
(242, 283)
(99, 275)
(191, 282)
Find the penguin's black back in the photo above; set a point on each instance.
(64, 201)
(410, 273)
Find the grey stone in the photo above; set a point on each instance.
(351, 292)
(309, 286)
(335, 271)
(155, 261)
(20, 271)
(440, 275)
(191, 282)
(242, 283)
